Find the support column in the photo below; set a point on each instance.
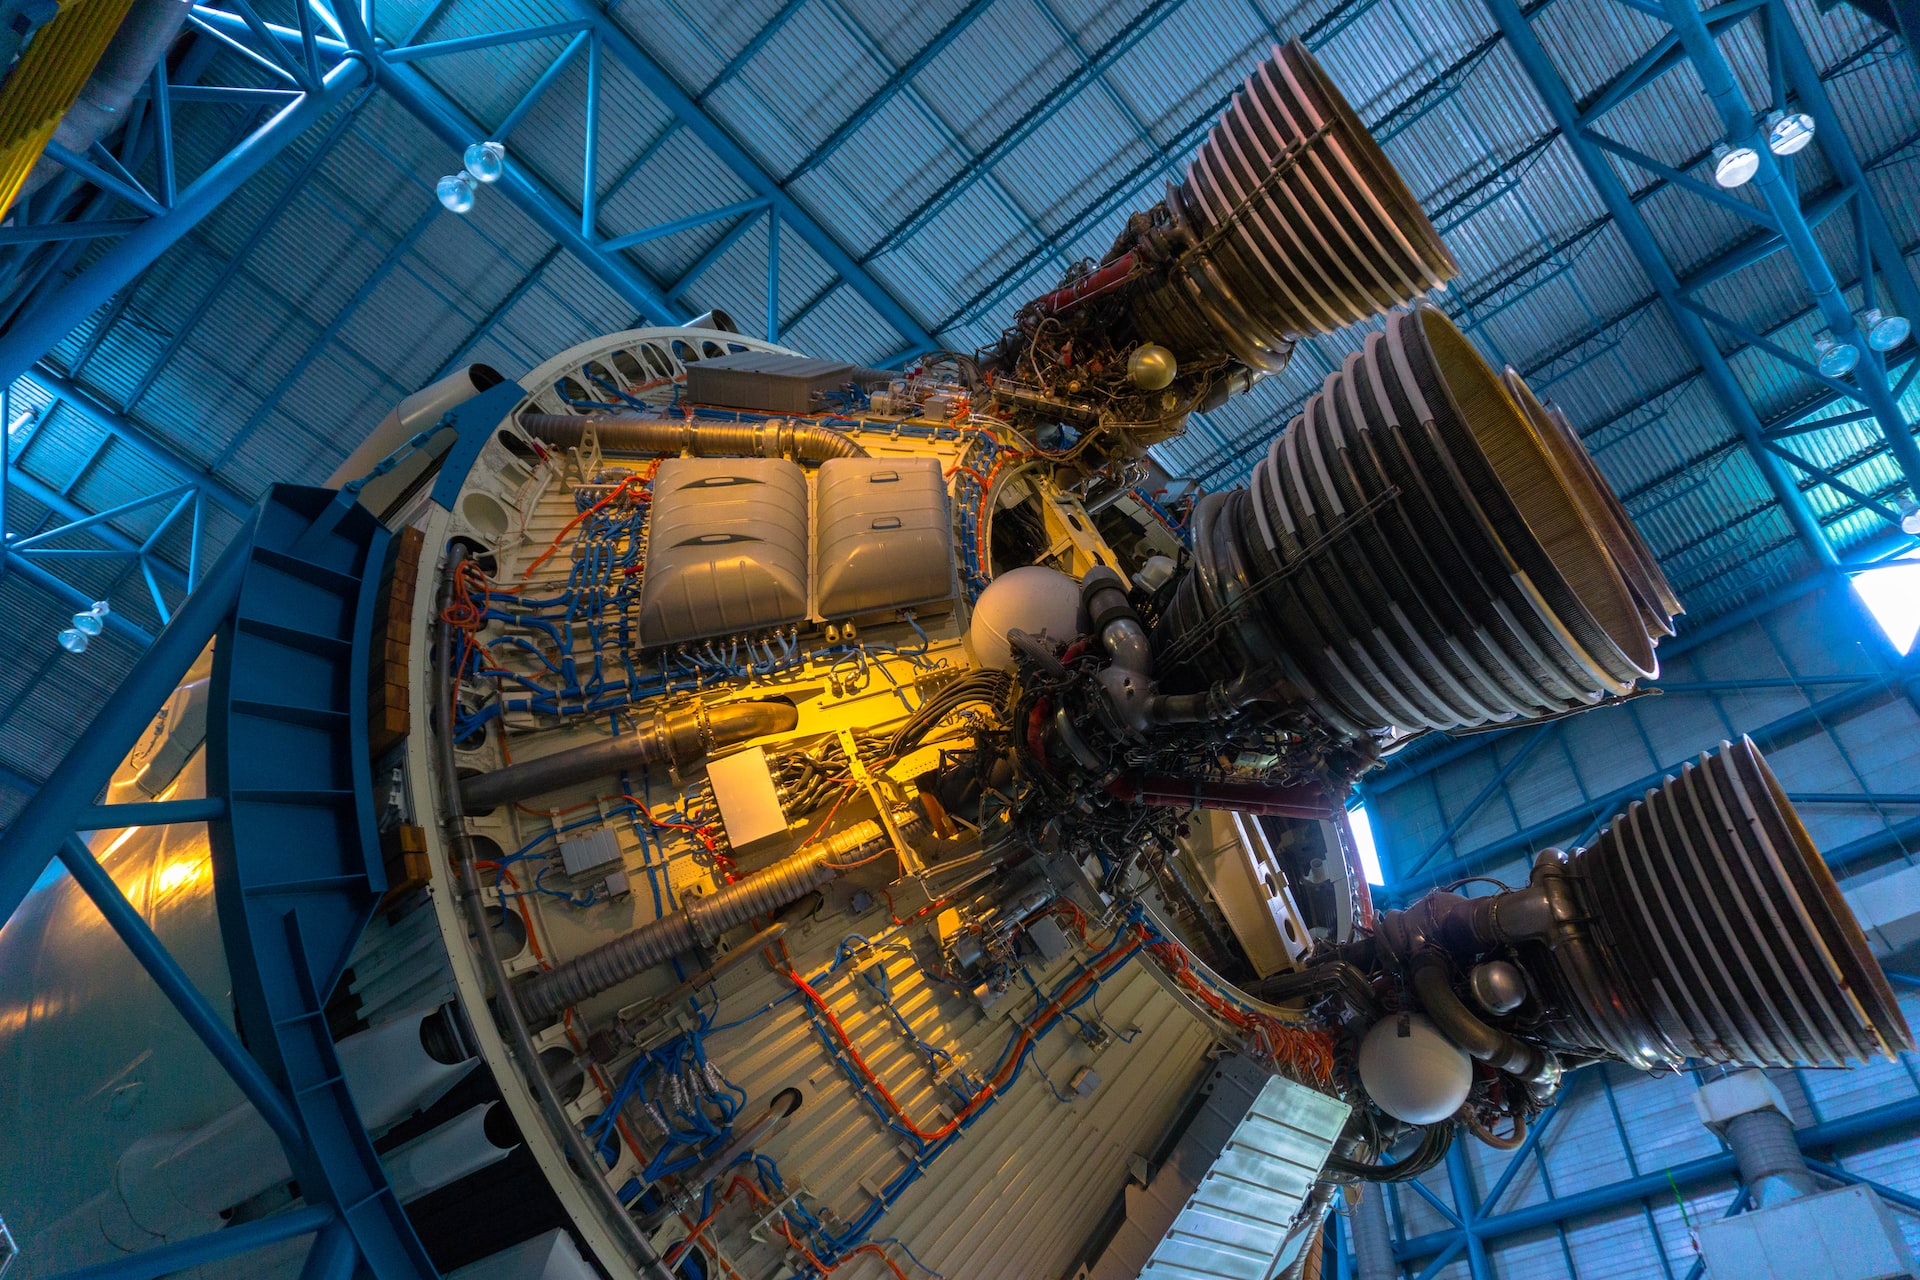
(1372, 1235)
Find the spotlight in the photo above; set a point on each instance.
(1734, 166)
(456, 191)
(1836, 359)
(1910, 518)
(485, 161)
(1884, 332)
(86, 625)
(1788, 132)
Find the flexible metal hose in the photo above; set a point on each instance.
(1488, 1044)
(586, 1164)
(702, 920)
(676, 735)
(774, 438)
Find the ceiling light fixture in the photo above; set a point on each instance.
(86, 625)
(485, 161)
(1734, 166)
(1788, 132)
(1835, 359)
(1884, 331)
(456, 191)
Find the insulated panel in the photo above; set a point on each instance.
(1235, 1223)
(884, 539)
(1017, 1195)
(726, 549)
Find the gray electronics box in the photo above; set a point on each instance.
(766, 381)
(726, 549)
(882, 537)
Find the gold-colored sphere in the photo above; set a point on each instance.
(1151, 367)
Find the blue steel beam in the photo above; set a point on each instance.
(1633, 228)
(1460, 1182)
(35, 331)
(150, 446)
(1519, 758)
(730, 153)
(768, 31)
(1116, 47)
(324, 339)
(74, 598)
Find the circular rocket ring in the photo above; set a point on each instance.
(1719, 918)
(1418, 602)
(1538, 518)
(1388, 198)
(1630, 551)
(1381, 637)
(1299, 263)
(1444, 606)
(1290, 294)
(1325, 195)
(1493, 643)
(1256, 335)
(1541, 646)
(1825, 908)
(1314, 631)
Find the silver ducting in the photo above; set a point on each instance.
(411, 416)
(702, 920)
(144, 37)
(677, 736)
(773, 438)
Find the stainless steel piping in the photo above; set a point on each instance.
(704, 919)
(774, 438)
(677, 736)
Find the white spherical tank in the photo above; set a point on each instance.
(1413, 1072)
(1033, 599)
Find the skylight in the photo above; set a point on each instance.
(1363, 841)
(1892, 595)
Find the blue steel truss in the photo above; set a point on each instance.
(290, 609)
(68, 213)
(1785, 223)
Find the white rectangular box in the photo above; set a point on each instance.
(1847, 1234)
(749, 806)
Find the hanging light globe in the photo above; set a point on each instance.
(1788, 132)
(456, 191)
(1884, 331)
(485, 161)
(1734, 166)
(1835, 359)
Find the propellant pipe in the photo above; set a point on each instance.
(773, 438)
(703, 919)
(677, 736)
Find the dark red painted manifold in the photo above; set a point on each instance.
(1302, 800)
